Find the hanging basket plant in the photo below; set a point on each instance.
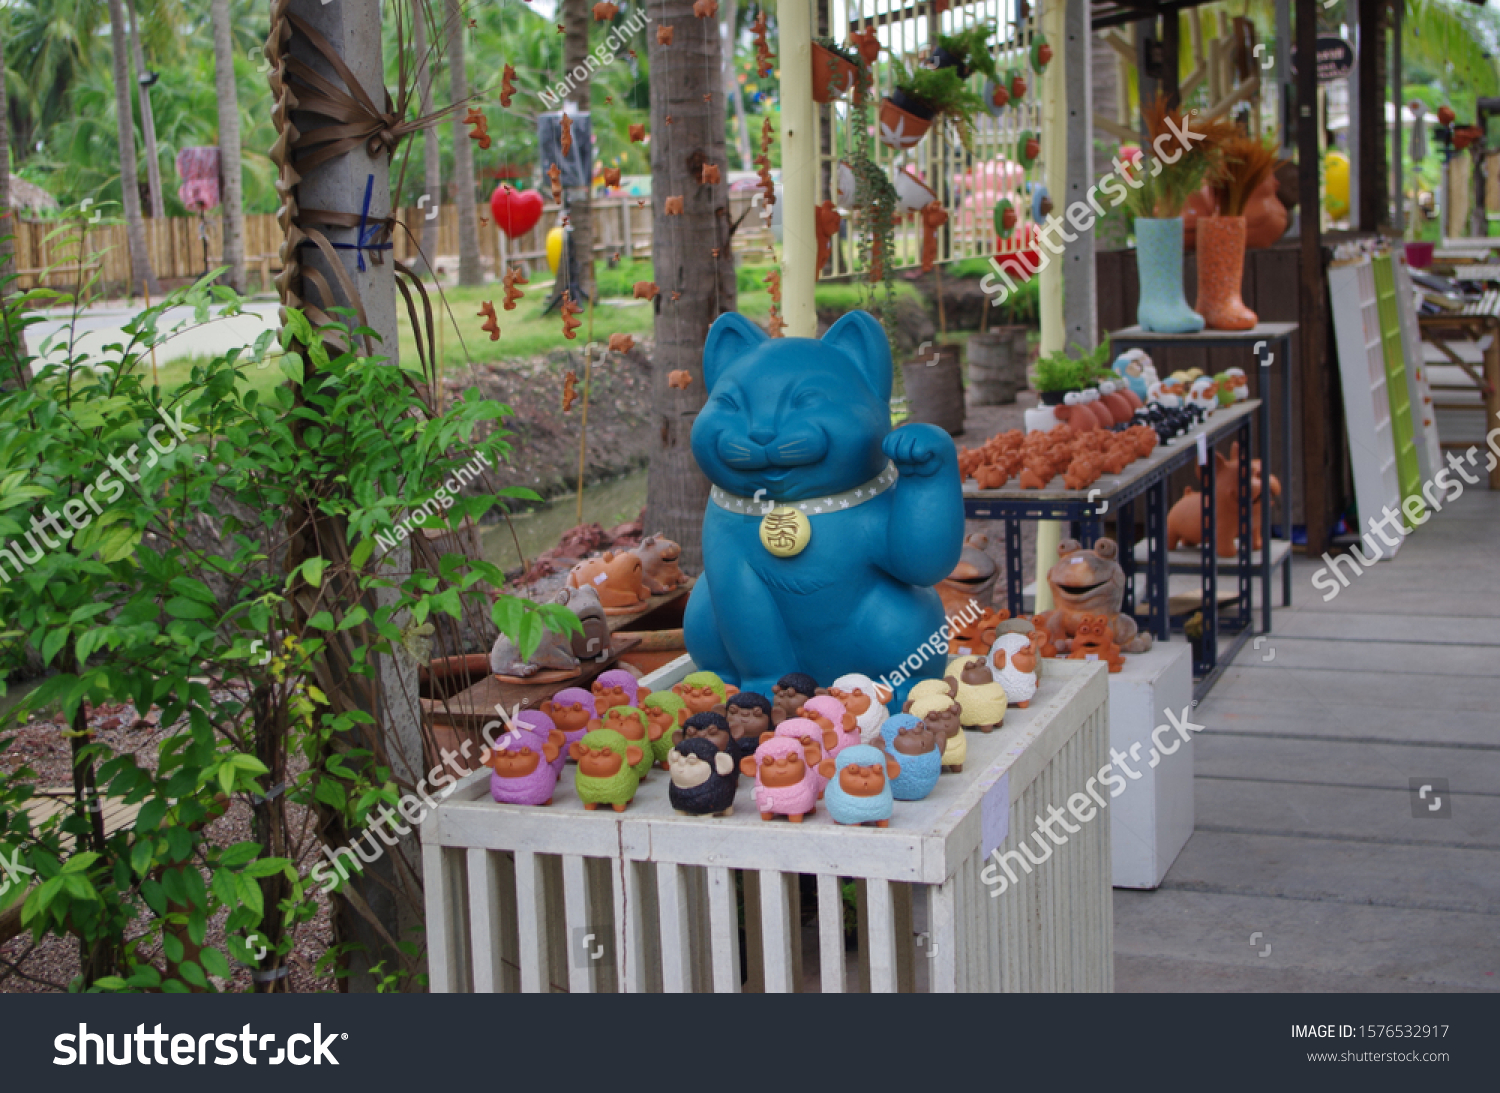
(920, 97)
(968, 51)
(835, 70)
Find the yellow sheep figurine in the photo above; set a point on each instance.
(980, 697)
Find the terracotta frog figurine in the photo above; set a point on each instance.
(557, 657)
(1095, 641)
(618, 578)
(1089, 582)
(659, 569)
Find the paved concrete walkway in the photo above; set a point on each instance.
(1306, 832)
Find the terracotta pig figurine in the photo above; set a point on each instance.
(1185, 520)
(1089, 582)
(618, 579)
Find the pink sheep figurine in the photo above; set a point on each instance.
(572, 710)
(826, 708)
(812, 735)
(785, 773)
(521, 767)
(544, 726)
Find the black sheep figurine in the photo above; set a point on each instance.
(789, 695)
(704, 779)
(749, 716)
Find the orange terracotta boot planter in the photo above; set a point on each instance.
(1221, 269)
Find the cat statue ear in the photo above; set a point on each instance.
(861, 338)
(731, 337)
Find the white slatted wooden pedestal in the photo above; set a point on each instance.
(558, 898)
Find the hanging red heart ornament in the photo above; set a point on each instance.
(516, 212)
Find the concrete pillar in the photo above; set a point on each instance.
(799, 169)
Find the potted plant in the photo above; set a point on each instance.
(968, 51)
(1244, 164)
(920, 97)
(835, 69)
(1161, 191)
(1058, 373)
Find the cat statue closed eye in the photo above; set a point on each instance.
(825, 531)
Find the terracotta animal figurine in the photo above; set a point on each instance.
(1089, 582)
(749, 716)
(542, 726)
(860, 792)
(844, 585)
(919, 749)
(659, 569)
(616, 687)
(702, 691)
(617, 577)
(1013, 663)
(980, 698)
(710, 726)
(941, 712)
(606, 770)
(785, 784)
(1185, 519)
(637, 730)
(1095, 640)
(812, 734)
(865, 699)
(789, 693)
(557, 657)
(828, 710)
(704, 779)
(666, 712)
(572, 710)
(521, 765)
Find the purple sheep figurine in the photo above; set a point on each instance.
(543, 726)
(572, 710)
(616, 687)
(521, 767)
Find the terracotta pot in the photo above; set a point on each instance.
(1221, 268)
(1265, 216)
(900, 126)
(833, 76)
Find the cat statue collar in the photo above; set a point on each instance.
(785, 530)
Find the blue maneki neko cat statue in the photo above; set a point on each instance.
(825, 529)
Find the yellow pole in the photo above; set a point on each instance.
(799, 169)
(1055, 158)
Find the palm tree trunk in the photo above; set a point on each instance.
(576, 15)
(141, 276)
(148, 119)
(692, 260)
(470, 271)
(432, 158)
(231, 197)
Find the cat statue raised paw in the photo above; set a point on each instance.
(825, 530)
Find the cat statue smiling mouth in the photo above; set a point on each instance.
(835, 575)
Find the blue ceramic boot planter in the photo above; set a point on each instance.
(1158, 254)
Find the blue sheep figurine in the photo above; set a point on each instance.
(919, 750)
(860, 792)
(825, 530)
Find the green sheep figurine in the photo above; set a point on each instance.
(637, 729)
(703, 692)
(666, 711)
(606, 769)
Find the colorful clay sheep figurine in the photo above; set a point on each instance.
(616, 687)
(543, 726)
(710, 726)
(785, 781)
(701, 692)
(940, 711)
(606, 769)
(1013, 661)
(982, 700)
(704, 779)
(832, 714)
(666, 712)
(864, 698)
(572, 710)
(749, 716)
(860, 792)
(789, 693)
(636, 728)
(521, 767)
(812, 735)
(919, 749)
